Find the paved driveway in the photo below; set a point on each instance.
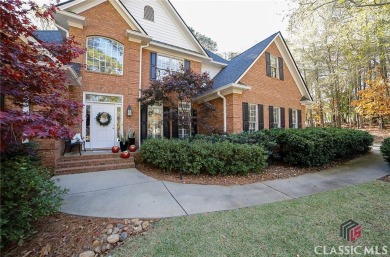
(128, 193)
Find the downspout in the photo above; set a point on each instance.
(139, 91)
(224, 110)
(62, 29)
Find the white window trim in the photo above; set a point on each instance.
(86, 56)
(278, 122)
(181, 130)
(170, 64)
(294, 114)
(256, 117)
(277, 66)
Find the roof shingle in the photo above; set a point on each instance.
(216, 57)
(238, 65)
(50, 36)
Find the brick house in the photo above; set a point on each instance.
(129, 43)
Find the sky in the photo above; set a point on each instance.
(235, 25)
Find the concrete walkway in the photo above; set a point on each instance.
(130, 194)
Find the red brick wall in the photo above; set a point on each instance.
(103, 20)
(265, 90)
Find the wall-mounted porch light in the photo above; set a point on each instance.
(129, 111)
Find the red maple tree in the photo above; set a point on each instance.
(33, 73)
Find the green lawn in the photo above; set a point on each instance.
(288, 228)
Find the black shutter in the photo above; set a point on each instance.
(299, 119)
(245, 117)
(281, 74)
(290, 117)
(175, 124)
(194, 125)
(153, 65)
(166, 123)
(2, 101)
(144, 122)
(260, 114)
(271, 117)
(187, 65)
(282, 118)
(268, 63)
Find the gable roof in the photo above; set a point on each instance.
(240, 64)
(216, 58)
(78, 6)
(50, 36)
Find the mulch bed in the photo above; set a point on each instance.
(385, 178)
(63, 235)
(275, 171)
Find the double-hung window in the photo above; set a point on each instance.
(167, 65)
(253, 122)
(294, 118)
(184, 119)
(274, 67)
(276, 115)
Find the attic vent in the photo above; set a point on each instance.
(148, 13)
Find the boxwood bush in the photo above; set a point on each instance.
(302, 147)
(202, 156)
(385, 149)
(27, 195)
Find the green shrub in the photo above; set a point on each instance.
(385, 149)
(203, 156)
(302, 147)
(27, 194)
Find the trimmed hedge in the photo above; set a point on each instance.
(385, 149)
(302, 147)
(200, 156)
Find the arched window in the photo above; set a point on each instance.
(104, 55)
(148, 13)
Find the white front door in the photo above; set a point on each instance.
(103, 136)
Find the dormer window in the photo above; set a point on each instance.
(148, 13)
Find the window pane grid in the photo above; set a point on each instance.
(252, 117)
(104, 55)
(184, 115)
(167, 65)
(276, 117)
(274, 66)
(294, 119)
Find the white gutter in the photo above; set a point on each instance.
(63, 30)
(175, 49)
(139, 91)
(224, 110)
(227, 89)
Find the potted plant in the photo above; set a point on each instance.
(123, 142)
(131, 135)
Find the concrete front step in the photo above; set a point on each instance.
(72, 164)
